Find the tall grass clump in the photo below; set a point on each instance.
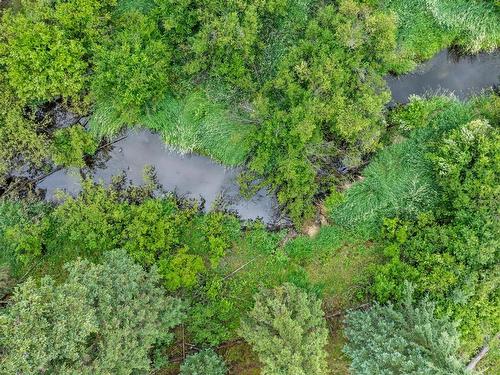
(427, 26)
(195, 123)
(398, 181)
(476, 22)
(419, 35)
(105, 122)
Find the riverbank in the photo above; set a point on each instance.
(198, 177)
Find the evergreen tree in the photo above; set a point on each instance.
(206, 362)
(403, 339)
(103, 319)
(287, 330)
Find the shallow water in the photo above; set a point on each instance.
(195, 176)
(447, 72)
(191, 176)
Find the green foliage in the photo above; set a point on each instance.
(398, 181)
(165, 231)
(476, 23)
(287, 330)
(46, 50)
(206, 362)
(14, 213)
(45, 47)
(71, 145)
(40, 61)
(22, 142)
(402, 339)
(223, 40)
(452, 252)
(197, 123)
(75, 327)
(155, 229)
(311, 108)
(132, 67)
(427, 26)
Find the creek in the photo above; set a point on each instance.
(194, 176)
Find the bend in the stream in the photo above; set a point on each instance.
(195, 176)
(448, 72)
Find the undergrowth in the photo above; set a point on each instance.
(399, 180)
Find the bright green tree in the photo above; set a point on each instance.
(103, 319)
(71, 145)
(325, 103)
(287, 330)
(45, 47)
(403, 339)
(132, 67)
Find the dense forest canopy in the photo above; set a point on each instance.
(389, 263)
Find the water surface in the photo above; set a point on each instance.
(195, 176)
(446, 73)
(190, 176)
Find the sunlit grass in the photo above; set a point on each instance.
(397, 182)
(197, 124)
(194, 123)
(427, 26)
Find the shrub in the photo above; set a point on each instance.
(131, 68)
(46, 50)
(45, 47)
(71, 145)
(14, 213)
(22, 142)
(40, 61)
(180, 240)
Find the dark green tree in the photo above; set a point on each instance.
(403, 339)
(103, 319)
(206, 362)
